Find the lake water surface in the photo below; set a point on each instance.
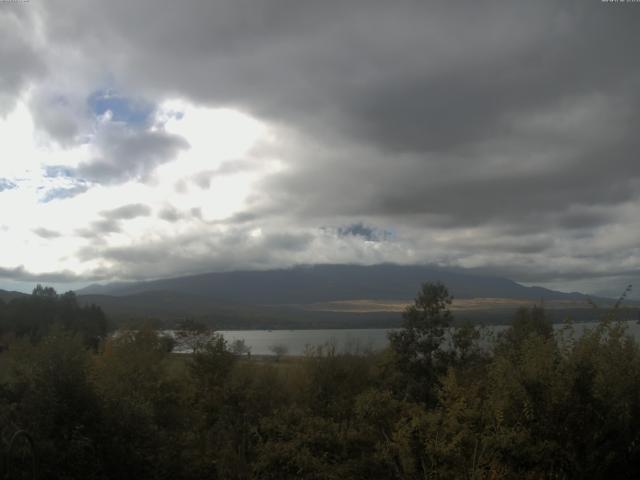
(296, 341)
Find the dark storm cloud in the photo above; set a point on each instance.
(434, 117)
(370, 234)
(585, 219)
(287, 241)
(240, 218)
(57, 116)
(170, 214)
(469, 189)
(536, 275)
(130, 155)
(111, 221)
(490, 243)
(127, 212)
(20, 59)
(107, 226)
(98, 229)
(196, 212)
(229, 167)
(46, 233)
(21, 274)
(407, 75)
(358, 229)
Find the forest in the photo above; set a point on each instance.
(439, 403)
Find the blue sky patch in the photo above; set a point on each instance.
(56, 171)
(6, 184)
(64, 192)
(371, 234)
(131, 111)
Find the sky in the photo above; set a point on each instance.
(152, 139)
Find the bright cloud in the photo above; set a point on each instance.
(45, 190)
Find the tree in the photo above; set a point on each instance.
(211, 364)
(279, 350)
(416, 347)
(44, 292)
(239, 347)
(50, 383)
(192, 335)
(140, 406)
(526, 322)
(34, 315)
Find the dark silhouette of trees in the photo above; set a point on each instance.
(33, 316)
(279, 350)
(535, 403)
(240, 347)
(416, 347)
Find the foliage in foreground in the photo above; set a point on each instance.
(437, 404)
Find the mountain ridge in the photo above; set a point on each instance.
(331, 282)
(8, 295)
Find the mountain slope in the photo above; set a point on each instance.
(7, 296)
(321, 283)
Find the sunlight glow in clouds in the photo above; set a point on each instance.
(44, 235)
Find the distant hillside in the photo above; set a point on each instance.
(322, 283)
(322, 296)
(168, 308)
(7, 296)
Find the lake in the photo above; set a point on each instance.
(296, 341)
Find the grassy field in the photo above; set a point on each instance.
(458, 305)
